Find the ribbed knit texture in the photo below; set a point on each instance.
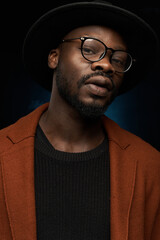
(72, 192)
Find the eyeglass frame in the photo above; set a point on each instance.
(105, 52)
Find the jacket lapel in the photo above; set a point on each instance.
(18, 176)
(123, 175)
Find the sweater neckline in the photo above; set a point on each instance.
(43, 145)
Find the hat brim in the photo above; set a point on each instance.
(47, 32)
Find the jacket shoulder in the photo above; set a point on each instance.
(130, 141)
(22, 129)
(5, 142)
(144, 151)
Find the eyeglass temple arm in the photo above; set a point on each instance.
(67, 40)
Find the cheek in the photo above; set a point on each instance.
(73, 64)
(118, 79)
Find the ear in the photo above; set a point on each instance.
(53, 58)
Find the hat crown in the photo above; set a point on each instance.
(47, 32)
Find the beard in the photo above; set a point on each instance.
(88, 111)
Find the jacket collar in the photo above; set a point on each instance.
(18, 132)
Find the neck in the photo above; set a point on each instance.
(69, 132)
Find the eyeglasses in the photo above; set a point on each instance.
(93, 50)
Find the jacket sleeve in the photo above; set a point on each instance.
(156, 226)
(5, 231)
(155, 205)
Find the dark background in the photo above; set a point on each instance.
(137, 111)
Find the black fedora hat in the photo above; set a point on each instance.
(47, 32)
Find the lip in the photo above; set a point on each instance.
(99, 86)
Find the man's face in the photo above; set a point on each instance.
(88, 87)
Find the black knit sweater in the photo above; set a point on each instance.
(72, 192)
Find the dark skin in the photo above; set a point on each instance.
(64, 126)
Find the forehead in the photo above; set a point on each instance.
(103, 33)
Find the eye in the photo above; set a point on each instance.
(118, 61)
(88, 51)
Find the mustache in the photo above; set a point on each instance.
(95, 74)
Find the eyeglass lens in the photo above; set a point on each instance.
(94, 50)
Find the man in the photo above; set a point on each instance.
(67, 171)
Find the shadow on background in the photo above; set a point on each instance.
(137, 111)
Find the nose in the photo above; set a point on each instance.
(103, 65)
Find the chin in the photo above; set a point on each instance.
(90, 111)
(94, 108)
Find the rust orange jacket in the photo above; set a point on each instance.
(135, 182)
